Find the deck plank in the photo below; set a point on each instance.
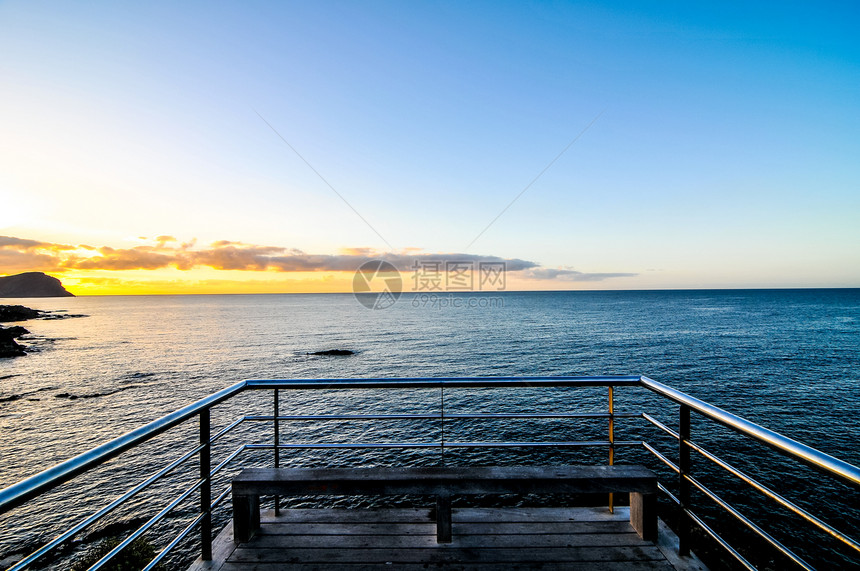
(575, 539)
(447, 554)
(429, 541)
(460, 528)
(568, 566)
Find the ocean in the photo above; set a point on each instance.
(786, 359)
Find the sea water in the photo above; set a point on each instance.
(786, 359)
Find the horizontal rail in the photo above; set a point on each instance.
(17, 494)
(789, 505)
(445, 382)
(661, 426)
(543, 416)
(74, 530)
(806, 454)
(672, 497)
(221, 497)
(713, 534)
(80, 526)
(749, 523)
(562, 444)
(660, 456)
(487, 416)
(228, 428)
(750, 481)
(25, 490)
(229, 459)
(406, 445)
(327, 417)
(145, 527)
(719, 539)
(176, 540)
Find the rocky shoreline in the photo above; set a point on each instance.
(9, 347)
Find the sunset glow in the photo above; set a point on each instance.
(199, 148)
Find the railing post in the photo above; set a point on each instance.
(611, 442)
(205, 488)
(683, 484)
(442, 422)
(277, 441)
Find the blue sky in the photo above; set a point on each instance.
(724, 153)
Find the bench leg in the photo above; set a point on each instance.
(246, 517)
(643, 515)
(443, 518)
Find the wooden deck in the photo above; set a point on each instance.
(484, 539)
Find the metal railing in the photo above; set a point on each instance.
(685, 482)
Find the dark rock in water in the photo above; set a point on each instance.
(334, 352)
(58, 314)
(8, 346)
(32, 284)
(12, 332)
(18, 313)
(11, 349)
(21, 313)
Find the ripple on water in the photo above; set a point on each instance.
(775, 356)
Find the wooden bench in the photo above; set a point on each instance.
(444, 482)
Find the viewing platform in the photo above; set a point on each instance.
(498, 465)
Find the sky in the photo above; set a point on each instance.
(263, 147)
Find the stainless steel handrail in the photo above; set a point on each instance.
(27, 489)
(749, 523)
(75, 529)
(446, 382)
(807, 454)
(21, 492)
(748, 480)
(450, 416)
(17, 494)
(446, 444)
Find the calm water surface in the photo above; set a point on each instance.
(787, 359)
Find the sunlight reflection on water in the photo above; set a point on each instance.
(771, 356)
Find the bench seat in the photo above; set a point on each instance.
(445, 482)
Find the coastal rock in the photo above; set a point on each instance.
(18, 313)
(32, 284)
(13, 332)
(8, 346)
(21, 313)
(333, 353)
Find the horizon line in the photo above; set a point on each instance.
(443, 293)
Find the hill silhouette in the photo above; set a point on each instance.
(32, 284)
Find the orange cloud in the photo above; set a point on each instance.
(22, 244)
(13, 262)
(22, 255)
(358, 251)
(110, 259)
(221, 255)
(17, 254)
